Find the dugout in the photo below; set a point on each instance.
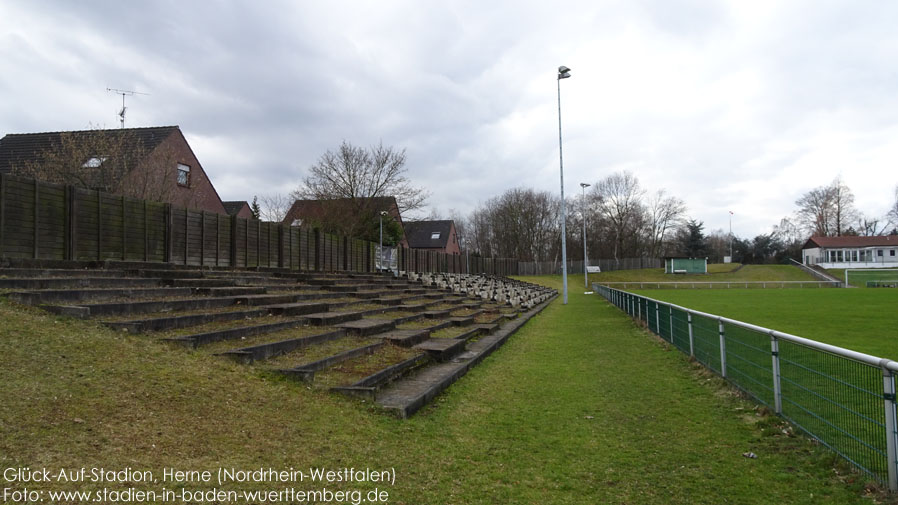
(683, 265)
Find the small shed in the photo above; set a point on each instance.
(682, 265)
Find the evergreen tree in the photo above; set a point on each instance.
(256, 210)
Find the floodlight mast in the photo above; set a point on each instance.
(585, 257)
(563, 73)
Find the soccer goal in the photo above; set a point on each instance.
(872, 277)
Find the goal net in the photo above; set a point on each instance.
(872, 277)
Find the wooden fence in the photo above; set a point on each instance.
(41, 220)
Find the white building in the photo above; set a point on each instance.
(851, 252)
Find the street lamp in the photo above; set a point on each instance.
(585, 259)
(381, 250)
(563, 73)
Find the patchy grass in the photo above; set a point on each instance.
(580, 406)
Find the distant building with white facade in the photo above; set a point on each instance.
(851, 252)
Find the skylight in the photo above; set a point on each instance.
(94, 162)
(435, 235)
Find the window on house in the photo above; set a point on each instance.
(853, 255)
(879, 253)
(94, 162)
(892, 252)
(436, 235)
(183, 175)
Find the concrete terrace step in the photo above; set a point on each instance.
(405, 397)
(248, 355)
(366, 327)
(333, 318)
(77, 282)
(199, 339)
(58, 273)
(442, 349)
(124, 308)
(306, 371)
(368, 386)
(406, 338)
(77, 295)
(173, 322)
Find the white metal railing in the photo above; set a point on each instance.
(720, 284)
(845, 399)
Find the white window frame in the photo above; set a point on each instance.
(184, 169)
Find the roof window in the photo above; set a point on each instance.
(435, 235)
(94, 162)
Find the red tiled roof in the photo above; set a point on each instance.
(852, 241)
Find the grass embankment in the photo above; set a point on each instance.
(580, 406)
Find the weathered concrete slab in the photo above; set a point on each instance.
(332, 318)
(235, 333)
(406, 338)
(253, 353)
(365, 327)
(40, 297)
(297, 309)
(368, 386)
(441, 349)
(172, 322)
(404, 398)
(306, 371)
(77, 282)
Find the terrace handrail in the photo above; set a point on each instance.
(816, 273)
(860, 431)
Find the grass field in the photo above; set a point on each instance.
(863, 320)
(716, 273)
(580, 406)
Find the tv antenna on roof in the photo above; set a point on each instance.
(124, 92)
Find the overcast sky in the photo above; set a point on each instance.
(740, 105)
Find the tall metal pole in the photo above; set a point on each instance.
(731, 236)
(381, 248)
(563, 73)
(585, 256)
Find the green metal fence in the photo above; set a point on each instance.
(842, 398)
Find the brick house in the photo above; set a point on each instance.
(347, 216)
(437, 236)
(239, 209)
(154, 163)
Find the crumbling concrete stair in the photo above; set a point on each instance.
(230, 306)
(404, 398)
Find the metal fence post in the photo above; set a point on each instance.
(723, 349)
(670, 328)
(777, 390)
(691, 338)
(657, 318)
(888, 386)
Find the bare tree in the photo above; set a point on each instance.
(357, 173)
(274, 207)
(827, 210)
(664, 214)
(892, 215)
(619, 200)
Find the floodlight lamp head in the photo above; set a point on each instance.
(383, 213)
(584, 185)
(563, 72)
